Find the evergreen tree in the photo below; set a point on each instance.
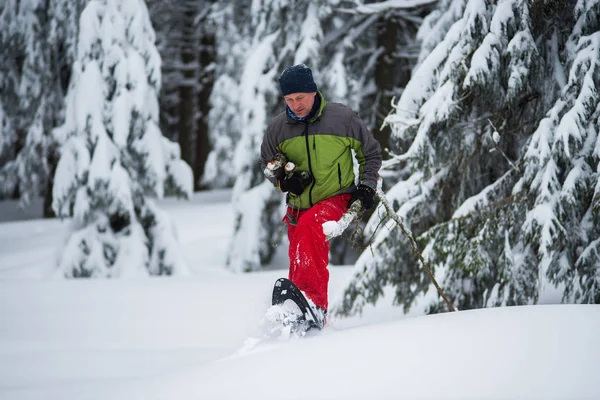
(224, 121)
(114, 160)
(36, 48)
(496, 142)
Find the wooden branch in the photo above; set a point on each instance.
(413, 244)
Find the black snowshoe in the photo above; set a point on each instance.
(292, 310)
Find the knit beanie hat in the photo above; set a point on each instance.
(297, 79)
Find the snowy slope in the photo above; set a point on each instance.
(526, 352)
(162, 338)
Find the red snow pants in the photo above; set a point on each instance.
(309, 250)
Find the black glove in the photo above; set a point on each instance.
(366, 195)
(295, 183)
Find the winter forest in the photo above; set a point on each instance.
(488, 112)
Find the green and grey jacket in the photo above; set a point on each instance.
(323, 146)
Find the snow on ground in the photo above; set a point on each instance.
(187, 338)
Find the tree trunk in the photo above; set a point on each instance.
(53, 157)
(387, 31)
(207, 59)
(187, 105)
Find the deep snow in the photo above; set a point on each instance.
(188, 337)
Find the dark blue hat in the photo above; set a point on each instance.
(297, 79)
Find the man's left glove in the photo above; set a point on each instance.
(295, 183)
(365, 194)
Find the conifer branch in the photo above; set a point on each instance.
(413, 244)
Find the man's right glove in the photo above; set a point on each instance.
(365, 194)
(295, 183)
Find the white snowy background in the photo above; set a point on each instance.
(194, 337)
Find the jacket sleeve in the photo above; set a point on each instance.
(268, 150)
(368, 152)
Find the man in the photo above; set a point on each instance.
(318, 138)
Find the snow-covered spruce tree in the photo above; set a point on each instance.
(36, 47)
(562, 225)
(285, 33)
(498, 150)
(231, 20)
(21, 85)
(114, 159)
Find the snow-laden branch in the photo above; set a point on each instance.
(387, 6)
(333, 229)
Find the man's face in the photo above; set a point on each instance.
(300, 103)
